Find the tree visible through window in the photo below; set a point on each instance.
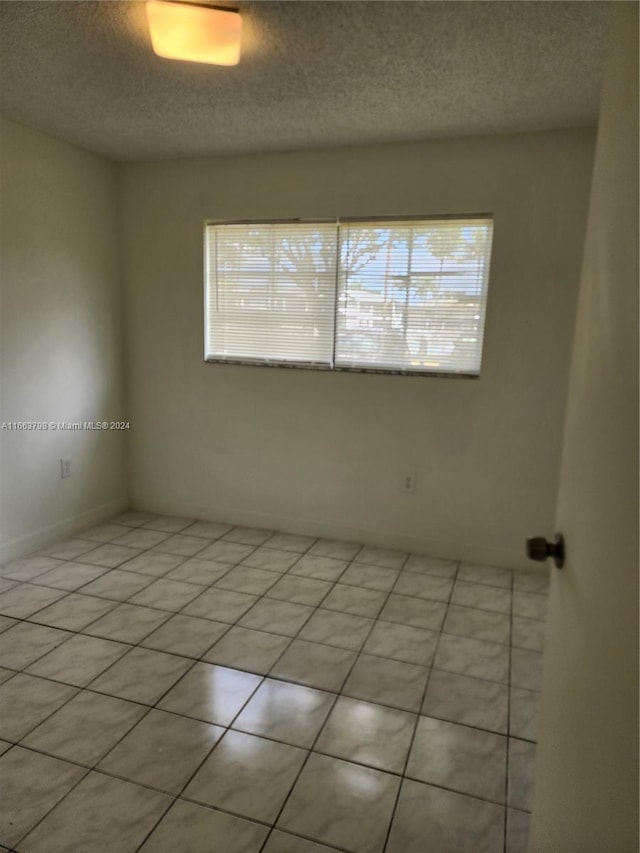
(399, 295)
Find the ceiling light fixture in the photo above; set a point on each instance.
(194, 33)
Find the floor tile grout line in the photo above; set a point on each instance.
(89, 688)
(122, 657)
(202, 656)
(321, 729)
(30, 556)
(87, 632)
(18, 742)
(154, 549)
(227, 729)
(194, 661)
(282, 653)
(138, 644)
(199, 660)
(318, 607)
(258, 596)
(79, 559)
(291, 640)
(171, 613)
(32, 619)
(146, 714)
(314, 609)
(336, 698)
(385, 706)
(94, 767)
(38, 580)
(174, 798)
(55, 806)
(180, 612)
(117, 602)
(417, 720)
(23, 671)
(212, 585)
(357, 651)
(218, 538)
(508, 744)
(261, 597)
(310, 751)
(65, 595)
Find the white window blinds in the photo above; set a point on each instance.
(412, 294)
(401, 295)
(270, 292)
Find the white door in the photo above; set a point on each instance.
(586, 780)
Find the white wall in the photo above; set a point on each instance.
(586, 792)
(325, 453)
(61, 337)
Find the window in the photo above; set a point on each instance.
(399, 295)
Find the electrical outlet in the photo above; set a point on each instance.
(65, 468)
(409, 483)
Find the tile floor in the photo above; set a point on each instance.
(176, 685)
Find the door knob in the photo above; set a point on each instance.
(540, 549)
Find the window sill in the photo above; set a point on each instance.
(325, 368)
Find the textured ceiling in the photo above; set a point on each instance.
(312, 74)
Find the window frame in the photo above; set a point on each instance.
(333, 368)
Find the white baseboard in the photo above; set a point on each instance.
(333, 529)
(22, 545)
